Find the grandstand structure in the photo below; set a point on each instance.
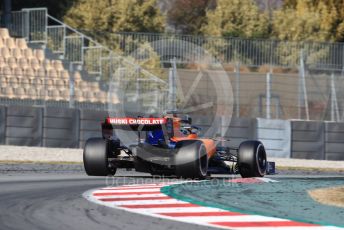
(27, 73)
(44, 62)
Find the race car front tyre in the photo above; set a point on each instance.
(96, 158)
(191, 160)
(252, 159)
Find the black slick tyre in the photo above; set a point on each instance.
(252, 159)
(95, 158)
(191, 160)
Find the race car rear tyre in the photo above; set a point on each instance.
(191, 160)
(96, 158)
(252, 159)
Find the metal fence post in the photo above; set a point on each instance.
(138, 87)
(300, 89)
(6, 17)
(334, 102)
(71, 86)
(64, 41)
(82, 55)
(303, 99)
(237, 89)
(268, 95)
(46, 27)
(223, 129)
(332, 99)
(111, 63)
(172, 90)
(26, 25)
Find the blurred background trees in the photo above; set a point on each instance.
(116, 16)
(309, 20)
(188, 16)
(56, 8)
(236, 18)
(290, 20)
(101, 19)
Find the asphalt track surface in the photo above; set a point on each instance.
(31, 199)
(50, 197)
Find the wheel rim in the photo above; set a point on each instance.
(261, 159)
(203, 161)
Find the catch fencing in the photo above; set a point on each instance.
(263, 95)
(230, 50)
(37, 26)
(269, 79)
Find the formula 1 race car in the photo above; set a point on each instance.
(170, 146)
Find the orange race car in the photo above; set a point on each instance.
(169, 146)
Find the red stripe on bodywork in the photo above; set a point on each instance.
(195, 214)
(263, 224)
(186, 205)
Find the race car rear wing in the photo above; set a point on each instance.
(131, 124)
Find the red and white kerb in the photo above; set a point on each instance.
(148, 200)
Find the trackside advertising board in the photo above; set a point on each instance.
(136, 121)
(134, 124)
